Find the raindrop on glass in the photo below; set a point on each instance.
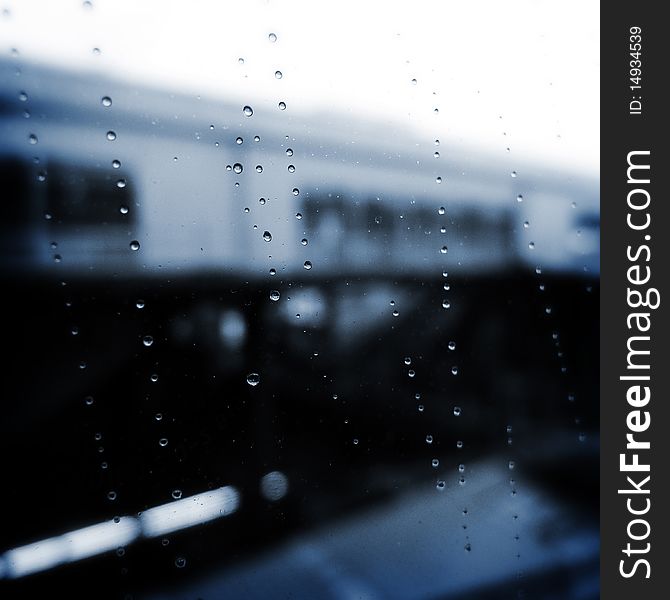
(253, 379)
(134, 245)
(111, 135)
(106, 101)
(248, 111)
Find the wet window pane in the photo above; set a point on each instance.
(300, 301)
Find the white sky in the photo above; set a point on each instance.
(534, 63)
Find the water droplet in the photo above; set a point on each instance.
(519, 198)
(440, 484)
(446, 304)
(461, 481)
(303, 241)
(239, 141)
(435, 463)
(511, 465)
(259, 168)
(441, 210)
(421, 407)
(467, 547)
(180, 562)
(88, 400)
(451, 345)
(248, 111)
(457, 411)
(257, 138)
(291, 169)
(437, 142)
(454, 370)
(298, 216)
(355, 441)
(32, 139)
(23, 96)
(74, 330)
(158, 417)
(444, 250)
(154, 378)
(267, 236)
(513, 173)
(395, 313)
(289, 152)
(253, 379)
(582, 437)
(459, 444)
(123, 209)
(57, 258)
(163, 442)
(106, 101)
(111, 135)
(272, 37)
(238, 168)
(307, 265)
(296, 191)
(408, 360)
(176, 494)
(436, 154)
(429, 439)
(121, 183)
(134, 245)
(116, 164)
(531, 245)
(526, 224)
(278, 75)
(111, 495)
(274, 295)
(438, 180)
(282, 105)
(147, 340)
(411, 373)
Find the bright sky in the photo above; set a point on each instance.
(522, 74)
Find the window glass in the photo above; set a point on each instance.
(301, 300)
